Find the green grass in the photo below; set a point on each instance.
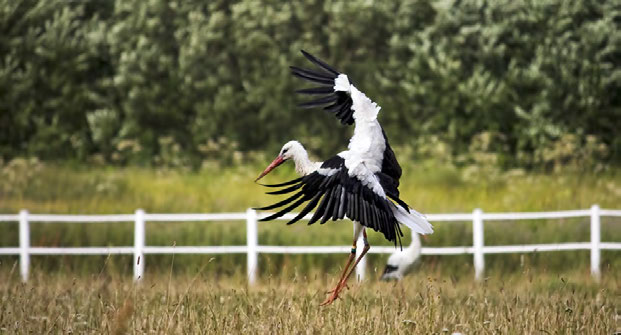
(527, 302)
(430, 188)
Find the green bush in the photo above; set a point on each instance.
(153, 82)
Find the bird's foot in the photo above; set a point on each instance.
(334, 294)
(339, 288)
(331, 298)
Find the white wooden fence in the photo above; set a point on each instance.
(253, 248)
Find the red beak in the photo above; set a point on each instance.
(279, 160)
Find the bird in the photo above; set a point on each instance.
(360, 183)
(402, 261)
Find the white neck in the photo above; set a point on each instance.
(303, 164)
(414, 248)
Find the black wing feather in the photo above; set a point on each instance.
(281, 203)
(328, 211)
(325, 76)
(335, 107)
(342, 205)
(290, 182)
(329, 82)
(319, 63)
(316, 90)
(350, 205)
(400, 202)
(318, 102)
(315, 74)
(336, 162)
(320, 210)
(337, 202)
(284, 211)
(390, 165)
(286, 190)
(309, 207)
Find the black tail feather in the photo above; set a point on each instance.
(400, 202)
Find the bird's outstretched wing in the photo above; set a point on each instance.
(331, 100)
(336, 94)
(334, 194)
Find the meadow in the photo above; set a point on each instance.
(428, 187)
(521, 293)
(529, 302)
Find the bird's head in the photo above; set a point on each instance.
(290, 150)
(391, 272)
(393, 264)
(402, 261)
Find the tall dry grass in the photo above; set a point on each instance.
(525, 303)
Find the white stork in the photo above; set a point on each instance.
(401, 261)
(360, 183)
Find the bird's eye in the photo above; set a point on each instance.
(284, 151)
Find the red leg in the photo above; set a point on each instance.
(340, 282)
(364, 252)
(343, 281)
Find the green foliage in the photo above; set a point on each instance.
(48, 60)
(531, 72)
(156, 82)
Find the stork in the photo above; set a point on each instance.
(360, 183)
(401, 261)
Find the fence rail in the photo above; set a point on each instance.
(252, 248)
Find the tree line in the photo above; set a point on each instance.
(531, 83)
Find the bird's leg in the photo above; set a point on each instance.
(366, 248)
(343, 281)
(358, 228)
(335, 291)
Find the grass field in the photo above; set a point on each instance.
(523, 303)
(429, 187)
(547, 293)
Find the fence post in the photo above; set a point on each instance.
(139, 245)
(24, 244)
(595, 241)
(251, 242)
(477, 239)
(361, 268)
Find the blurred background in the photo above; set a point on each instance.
(176, 106)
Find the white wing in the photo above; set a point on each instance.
(364, 109)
